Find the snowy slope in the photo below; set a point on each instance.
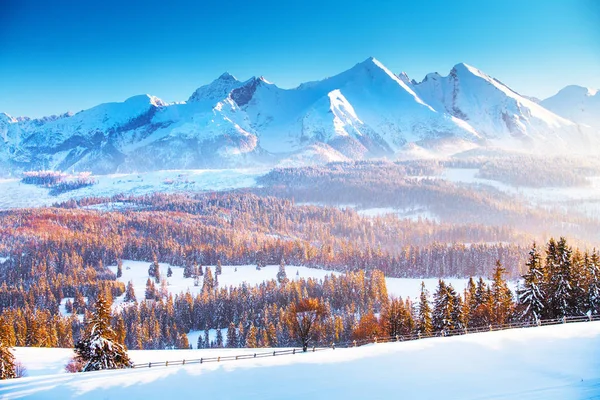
(15, 194)
(578, 104)
(497, 112)
(553, 362)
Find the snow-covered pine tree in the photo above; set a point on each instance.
(98, 348)
(218, 268)
(206, 339)
(443, 309)
(531, 296)
(219, 341)
(281, 275)
(424, 324)
(232, 340)
(593, 272)
(130, 293)
(209, 282)
(119, 268)
(559, 287)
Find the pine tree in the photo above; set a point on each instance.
(251, 337)
(169, 272)
(119, 268)
(424, 323)
(560, 278)
(531, 297)
(219, 341)
(130, 293)
(443, 310)
(200, 343)
(98, 348)
(206, 339)
(209, 282)
(218, 268)
(593, 291)
(232, 340)
(501, 296)
(281, 275)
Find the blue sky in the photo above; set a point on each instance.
(72, 54)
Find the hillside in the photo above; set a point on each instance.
(553, 362)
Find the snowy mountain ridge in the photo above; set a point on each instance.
(364, 112)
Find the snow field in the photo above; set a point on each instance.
(15, 194)
(137, 272)
(551, 362)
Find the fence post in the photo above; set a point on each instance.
(274, 353)
(491, 329)
(254, 355)
(314, 348)
(375, 339)
(183, 362)
(293, 351)
(149, 365)
(200, 360)
(166, 363)
(219, 359)
(332, 345)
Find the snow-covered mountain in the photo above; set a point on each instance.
(366, 111)
(499, 114)
(578, 104)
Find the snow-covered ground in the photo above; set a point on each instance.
(553, 362)
(14, 194)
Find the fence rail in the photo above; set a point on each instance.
(387, 339)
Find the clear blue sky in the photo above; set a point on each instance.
(73, 54)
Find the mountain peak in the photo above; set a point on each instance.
(576, 90)
(226, 76)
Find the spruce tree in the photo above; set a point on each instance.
(219, 340)
(443, 311)
(560, 288)
(502, 297)
(209, 282)
(593, 290)
(98, 348)
(251, 337)
(424, 324)
(232, 340)
(130, 293)
(531, 297)
(119, 268)
(281, 275)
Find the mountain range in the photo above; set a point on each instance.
(364, 112)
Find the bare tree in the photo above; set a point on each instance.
(303, 318)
